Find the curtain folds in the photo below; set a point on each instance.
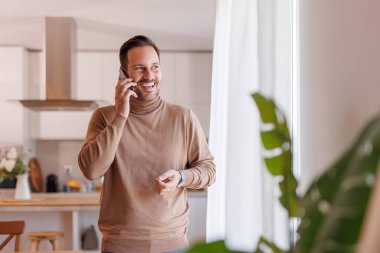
(252, 51)
(234, 201)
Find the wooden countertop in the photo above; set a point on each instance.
(52, 201)
(56, 202)
(57, 251)
(63, 202)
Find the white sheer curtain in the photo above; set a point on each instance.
(234, 202)
(242, 203)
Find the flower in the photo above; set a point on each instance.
(11, 166)
(12, 154)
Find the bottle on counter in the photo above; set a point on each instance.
(99, 184)
(71, 185)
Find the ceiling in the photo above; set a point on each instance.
(106, 24)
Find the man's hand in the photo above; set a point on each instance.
(167, 182)
(122, 96)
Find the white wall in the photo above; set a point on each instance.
(339, 78)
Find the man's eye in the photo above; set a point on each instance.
(139, 68)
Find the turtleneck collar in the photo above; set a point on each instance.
(141, 107)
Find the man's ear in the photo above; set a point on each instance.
(125, 71)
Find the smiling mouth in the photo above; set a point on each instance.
(147, 86)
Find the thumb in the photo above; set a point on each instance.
(166, 175)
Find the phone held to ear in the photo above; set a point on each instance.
(123, 75)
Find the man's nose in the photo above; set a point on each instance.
(148, 74)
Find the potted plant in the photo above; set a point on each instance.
(13, 173)
(333, 208)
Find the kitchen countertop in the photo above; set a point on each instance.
(62, 202)
(49, 202)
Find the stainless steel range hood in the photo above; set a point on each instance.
(60, 46)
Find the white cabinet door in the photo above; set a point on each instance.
(193, 73)
(57, 125)
(193, 78)
(12, 83)
(168, 87)
(110, 75)
(89, 75)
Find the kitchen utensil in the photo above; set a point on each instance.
(52, 183)
(35, 175)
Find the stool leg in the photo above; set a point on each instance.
(34, 245)
(17, 243)
(56, 245)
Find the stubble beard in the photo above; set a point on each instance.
(147, 97)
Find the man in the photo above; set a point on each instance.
(149, 152)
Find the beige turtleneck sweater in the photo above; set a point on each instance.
(131, 153)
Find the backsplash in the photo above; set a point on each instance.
(54, 155)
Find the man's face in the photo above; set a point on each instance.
(144, 68)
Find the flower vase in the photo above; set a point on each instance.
(22, 187)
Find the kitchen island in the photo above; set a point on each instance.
(73, 213)
(70, 213)
(54, 202)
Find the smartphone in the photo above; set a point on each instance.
(123, 75)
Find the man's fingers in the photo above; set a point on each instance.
(124, 81)
(167, 175)
(126, 92)
(129, 93)
(125, 87)
(122, 85)
(164, 188)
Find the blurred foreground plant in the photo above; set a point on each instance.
(333, 208)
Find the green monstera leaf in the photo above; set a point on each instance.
(335, 204)
(266, 246)
(213, 247)
(332, 210)
(277, 143)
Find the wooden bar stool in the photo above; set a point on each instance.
(12, 229)
(52, 236)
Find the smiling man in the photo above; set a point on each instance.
(149, 152)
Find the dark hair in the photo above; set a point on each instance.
(137, 41)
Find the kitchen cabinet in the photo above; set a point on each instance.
(168, 87)
(97, 75)
(61, 125)
(192, 79)
(109, 75)
(89, 73)
(13, 70)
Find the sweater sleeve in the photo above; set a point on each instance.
(99, 149)
(201, 171)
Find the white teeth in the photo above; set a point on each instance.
(150, 85)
